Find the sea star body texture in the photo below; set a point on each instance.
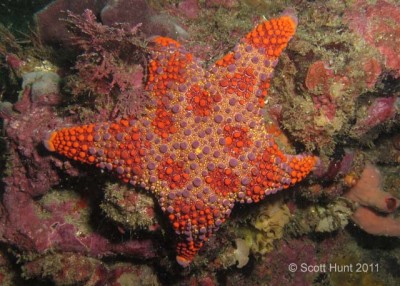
(204, 145)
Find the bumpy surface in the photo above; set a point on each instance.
(204, 145)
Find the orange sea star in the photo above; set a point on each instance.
(204, 146)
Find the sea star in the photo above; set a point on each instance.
(204, 145)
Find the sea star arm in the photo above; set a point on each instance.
(247, 70)
(243, 77)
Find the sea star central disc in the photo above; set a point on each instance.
(204, 145)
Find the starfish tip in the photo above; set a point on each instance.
(182, 261)
(48, 141)
(291, 14)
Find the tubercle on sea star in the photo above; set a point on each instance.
(204, 145)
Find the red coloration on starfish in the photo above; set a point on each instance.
(205, 145)
(172, 172)
(199, 100)
(240, 83)
(236, 139)
(223, 181)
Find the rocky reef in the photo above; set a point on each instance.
(335, 94)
